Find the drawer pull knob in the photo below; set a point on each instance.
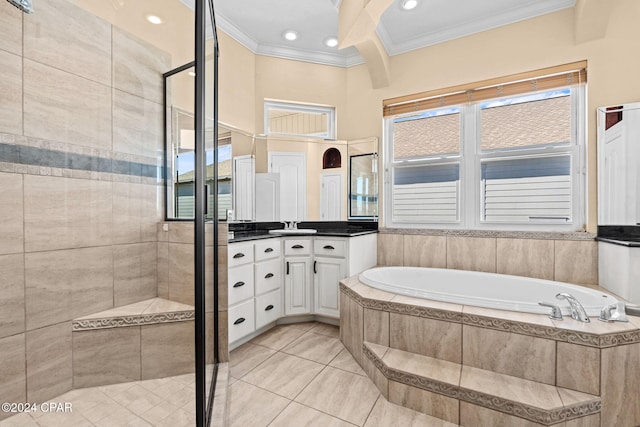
(297, 247)
(240, 320)
(269, 307)
(238, 255)
(238, 284)
(329, 247)
(266, 251)
(268, 276)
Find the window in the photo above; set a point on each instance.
(290, 119)
(508, 162)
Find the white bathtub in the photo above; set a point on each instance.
(499, 291)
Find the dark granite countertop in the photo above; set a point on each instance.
(256, 231)
(624, 235)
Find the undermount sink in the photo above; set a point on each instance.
(294, 231)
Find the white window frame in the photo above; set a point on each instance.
(470, 174)
(301, 108)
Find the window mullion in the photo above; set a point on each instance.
(470, 186)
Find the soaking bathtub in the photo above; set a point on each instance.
(488, 290)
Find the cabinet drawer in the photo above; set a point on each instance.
(268, 308)
(241, 320)
(268, 275)
(240, 283)
(267, 249)
(240, 253)
(330, 247)
(297, 246)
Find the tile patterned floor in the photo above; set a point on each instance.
(301, 375)
(292, 376)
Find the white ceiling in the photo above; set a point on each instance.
(259, 24)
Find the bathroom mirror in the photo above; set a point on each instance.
(619, 164)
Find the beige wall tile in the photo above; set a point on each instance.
(10, 29)
(588, 421)
(66, 37)
(163, 270)
(181, 232)
(578, 368)
(137, 125)
(477, 416)
(576, 262)
(167, 349)
(425, 251)
(63, 285)
(352, 328)
(429, 403)
(62, 213)
(471, 253)
(59, 106)
(620, 381)
(429, 337)
(376, 326)
(11, 90)
(134, 273)
(508, 353)
(525, 257)
(152, 211)
(127, 212)
(11, 212)
(390, 249)
(376, 376)
(13, 377)
(181, 273)
(12, 290)
(106, 356)
(138, 66)
(49, 372)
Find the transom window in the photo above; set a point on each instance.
(292, 119)
(510, 162)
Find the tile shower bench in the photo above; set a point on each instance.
(148, 339)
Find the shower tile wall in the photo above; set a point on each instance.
(573, 261)
(80, 200)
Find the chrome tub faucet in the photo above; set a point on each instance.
(614, 313)
(577, 310)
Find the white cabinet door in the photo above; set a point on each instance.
(243, 185)
(327, 272)
(292, 168)
(297, 286)
(331, 197)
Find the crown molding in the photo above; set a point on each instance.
(322, 58)
(236, 33)
(509, 16)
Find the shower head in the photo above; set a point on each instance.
(23, 5)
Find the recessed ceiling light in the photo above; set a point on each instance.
(290, 35)
(331, 41)
(192, 74)
(154, 19)
(409, 4)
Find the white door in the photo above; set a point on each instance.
(267, 197)
(243, 167)
(327, 272)
(292, 168)
(331, 197)
(297, 286)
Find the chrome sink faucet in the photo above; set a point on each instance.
(577, 310)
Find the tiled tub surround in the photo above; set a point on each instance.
(80, 199)
(563, 257)
(479, 367)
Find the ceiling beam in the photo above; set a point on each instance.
(357, 23)
(591, 19)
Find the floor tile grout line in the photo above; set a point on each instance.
(326, 413)
(309, 383)
(380, 396)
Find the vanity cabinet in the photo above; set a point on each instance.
(329, 267)
(297, 278)
(255, 282)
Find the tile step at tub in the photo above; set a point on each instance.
(148, 312)
(538, 402)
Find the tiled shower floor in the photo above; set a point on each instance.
(292, 376)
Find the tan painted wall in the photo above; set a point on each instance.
(536, 43)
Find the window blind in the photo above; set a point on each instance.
(515, 84)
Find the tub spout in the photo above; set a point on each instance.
(577, 310)
(614, 313)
